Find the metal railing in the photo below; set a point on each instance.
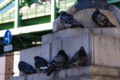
(37, 11)
(113, 1)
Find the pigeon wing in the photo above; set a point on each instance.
(58, 60)
(74, 58)
(102, 19)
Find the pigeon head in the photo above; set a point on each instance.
(97, 10)
(62, 12)
(82, 48)
(36, 57)
(21, 62)
(61, 51)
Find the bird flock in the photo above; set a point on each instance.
(68, 20)
(58, 62)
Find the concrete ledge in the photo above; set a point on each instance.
(18, 78)
(93, 78)
(101, 50)
(84, 73)
(72, 32)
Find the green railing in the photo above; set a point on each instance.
(37, 11)
(113, 1)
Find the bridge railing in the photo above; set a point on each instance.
(37, 11)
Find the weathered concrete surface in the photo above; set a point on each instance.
(105, 71)
(101, 50)
(84, 73)
(104, 78)
(28, 55)
(80, 78)
(18, 78)
(106, 51)
(96, 46)
(85, 18)
(93, 78)
(71, 45)
(72, 32)
(115, 11)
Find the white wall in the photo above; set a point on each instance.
(2, 67)
(15, 63)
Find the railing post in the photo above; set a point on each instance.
(10, 16)
(2, 18)
(65, 4)
(58, 3)
(35, 11)
(17, 19)
(53, 10)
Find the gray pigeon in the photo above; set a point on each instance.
(101, 19)
(68, 20)
(26, 68)
(79, 57)
(41, 64)
(58, 62)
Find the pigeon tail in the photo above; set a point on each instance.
(51, 70)
(110, 24)
(78, 24)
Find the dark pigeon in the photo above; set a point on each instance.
(79, 57)
(26, 68)
(68, 20)
(58, 62)
(101, 19)
(41, 64)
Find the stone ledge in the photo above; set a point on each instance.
(93, 78)
(72, 32)
(97, 48)
(86, 72)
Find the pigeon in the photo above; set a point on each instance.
(101, 19)
(41, 64)
(26, 68)
(57, 62)
(79, 57)
(68, 20)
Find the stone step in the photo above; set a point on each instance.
(93, 78)
(101, 50)
(75, 73)
(75, 78)
(72, 32)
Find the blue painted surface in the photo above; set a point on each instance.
(7, 37)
